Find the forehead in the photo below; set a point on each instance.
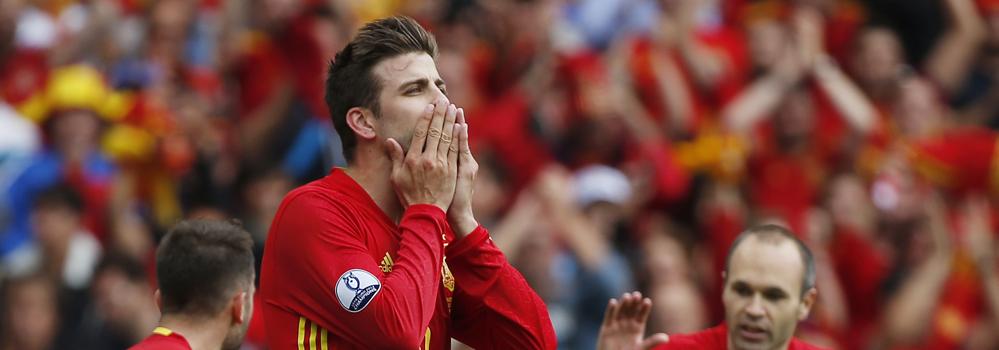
(407, 67)
(767, 264)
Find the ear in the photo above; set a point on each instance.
(159, 300)
(806, 303)
(239, 314)
(361, 121)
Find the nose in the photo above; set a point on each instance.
(438, 94)
(755, 307)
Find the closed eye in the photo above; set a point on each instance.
(774, 294)
(742, 289)
(440, 85)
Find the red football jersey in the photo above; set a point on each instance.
(162, 339)
(716, 339)
(339, 274)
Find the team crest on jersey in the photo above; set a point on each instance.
(356, 288)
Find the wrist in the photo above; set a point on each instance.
(462, 225)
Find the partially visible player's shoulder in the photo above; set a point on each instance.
(162, 339)
(800, 345)
(708, 339)
(315, 195)
(311, 191)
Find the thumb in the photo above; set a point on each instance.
(394, 151)
(654, 340)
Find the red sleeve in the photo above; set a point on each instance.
(494, 307)
(322, 243)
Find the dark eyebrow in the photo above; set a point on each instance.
(775, 291)
(418, 82)
(766, 289)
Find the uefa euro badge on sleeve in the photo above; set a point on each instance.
(356, 288)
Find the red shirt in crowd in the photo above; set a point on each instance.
(716, 339)
(338, 273)
(163, 339)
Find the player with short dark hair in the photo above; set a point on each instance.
(769, 287)
(205, 272)
(386, 253)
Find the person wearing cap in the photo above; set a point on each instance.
(72, 110)
(584, 209)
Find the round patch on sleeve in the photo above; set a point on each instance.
(356, 288)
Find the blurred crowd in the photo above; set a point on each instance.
(623, 145)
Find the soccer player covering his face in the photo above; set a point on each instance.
(769, 287)
(386, 253)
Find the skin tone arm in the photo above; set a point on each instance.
(624, 324)
(907, 311)
(981, 244)
(706, 65)
(672, 89)
(848, 99)
(629, 108)
(760, 99)
(510, 232)
(832, 305)
(950, 60)
(586, 242)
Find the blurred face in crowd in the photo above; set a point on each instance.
(849, 203)
(31, 316)
(171, 18)
(409, 82)
(278, 12)
(918, 109)
(120, 299)
(762, 296)
(263, 197)
(878, 56)
(489, 193)
(895, 192)
(796, 117)
(665, 258)
(767, 42)
(75, 131)
(604, 216)
(55, 225)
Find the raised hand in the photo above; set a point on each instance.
(460, 214)
(427, 173)
(978, 238)
(624, 324)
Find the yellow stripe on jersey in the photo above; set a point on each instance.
(166, 332)
(323, 338)
(426, 340)
(312, 336)
(301, 333)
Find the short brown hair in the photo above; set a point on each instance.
(775, 234)
(350, 82)
(200, 263)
